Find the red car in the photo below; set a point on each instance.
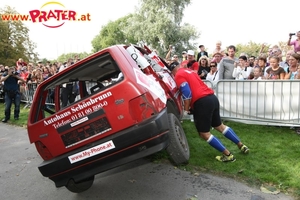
(126, 107)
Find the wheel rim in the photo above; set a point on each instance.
(181, 137)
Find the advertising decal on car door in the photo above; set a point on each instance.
(78, 111)
(151, 85)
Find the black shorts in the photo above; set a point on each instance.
(206, 113)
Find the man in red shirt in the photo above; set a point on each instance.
(192, 63)
(206, 110)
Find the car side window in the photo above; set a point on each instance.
(71, 86)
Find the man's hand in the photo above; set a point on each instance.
(186, 115)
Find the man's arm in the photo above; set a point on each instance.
(169, 53)
(221, 70)
(289, 41)
(19, 78)
(3, 78)
(186, 95)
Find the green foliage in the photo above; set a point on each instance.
(64, 57)
(14, 41)
(114, 32)
(158, 25)
(251, 49)
(272, 158)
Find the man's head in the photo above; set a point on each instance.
(175, 58)
(262, 61)
(231, 51)
(288, 54)
(184, 54)
(191, 55)
(174, 67)
(213, 66)
(242, 61)
(201, 47)
(217, 57)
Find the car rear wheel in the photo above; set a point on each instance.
(80, 186)
(178, 147)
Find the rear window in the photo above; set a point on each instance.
(80, 83)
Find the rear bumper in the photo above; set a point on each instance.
(141, 140)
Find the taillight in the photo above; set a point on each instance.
(43, 150)
(141, 108)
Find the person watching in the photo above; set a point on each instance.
(227, 64)
(257, 73)
(294, 60)
(202, 52)
(295, 43)
(11, 81)
(203, 67)
(240, 70)
(192, 63)
(184, 55)
(219, 49)
(275, 71)
(213, 73)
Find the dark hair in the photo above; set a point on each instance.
(243, 57)
(276, 58)
(253, 57)
(296, 56)
(263, 58)
(201, 45)
(231, 47)
(213, 62)
(173, 65)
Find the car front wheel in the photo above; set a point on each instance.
(178, 147)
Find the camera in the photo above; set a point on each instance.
(291, 34)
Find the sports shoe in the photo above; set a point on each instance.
(245, 149)
(4, 120)
(225, 158)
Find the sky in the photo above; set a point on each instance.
(231, 22)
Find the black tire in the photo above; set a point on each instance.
(178, 147)
(80, 186)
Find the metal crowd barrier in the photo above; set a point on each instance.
(27, 92)
(265, 102)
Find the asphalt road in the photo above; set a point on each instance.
(140, 180)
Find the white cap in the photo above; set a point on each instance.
(191, 52)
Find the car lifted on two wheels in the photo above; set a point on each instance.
(127, 107)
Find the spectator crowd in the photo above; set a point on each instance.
(225, 64)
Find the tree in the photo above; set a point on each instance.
(64, 57)
(158, 25)
(14, 40)
(114, 32)
(251, 49)
(284, 47)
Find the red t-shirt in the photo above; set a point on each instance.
(198, 88)
(194, 66)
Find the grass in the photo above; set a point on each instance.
(273, 159)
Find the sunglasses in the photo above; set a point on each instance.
(213, 66)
